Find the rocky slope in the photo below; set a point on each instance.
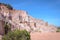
(19, 19)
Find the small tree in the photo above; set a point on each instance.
(17, 35)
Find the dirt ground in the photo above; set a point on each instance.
(45, 36)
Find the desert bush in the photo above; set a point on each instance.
(58, 29)
(7, 28)
(17, 35)
(7, 5)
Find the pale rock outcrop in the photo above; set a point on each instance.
(19, 19)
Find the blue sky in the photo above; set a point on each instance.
(47, 10)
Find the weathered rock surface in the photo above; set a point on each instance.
(19, 19)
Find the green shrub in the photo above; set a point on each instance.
(7, 28)
(17, 35)
(7, 5)
(58, 29)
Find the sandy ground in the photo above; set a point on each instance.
(0, 37)
(45, 36)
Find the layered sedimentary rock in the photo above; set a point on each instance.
(19, 19)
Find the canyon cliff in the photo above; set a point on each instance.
(20, 19)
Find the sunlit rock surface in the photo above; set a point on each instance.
(19, 19)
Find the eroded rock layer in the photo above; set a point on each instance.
(19, 19)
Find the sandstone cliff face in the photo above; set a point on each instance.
(19, 19)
